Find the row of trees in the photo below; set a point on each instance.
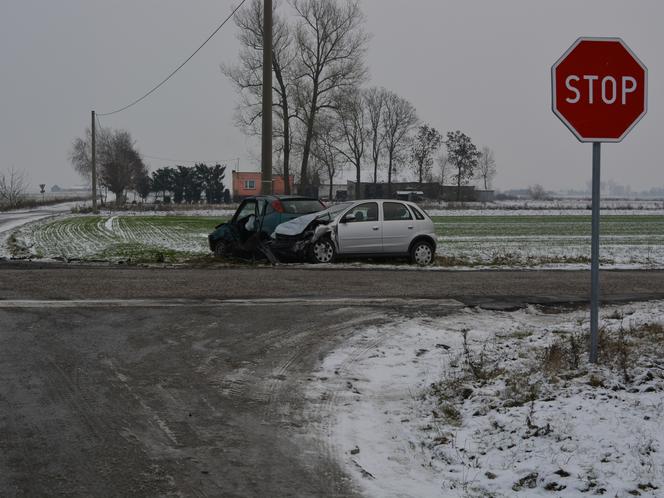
(190, 184)
(120, 168)
(322, 112)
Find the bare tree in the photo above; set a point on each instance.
(537, 192)
(123, 166)
(13, 187)
(399, 120)
(486, 167)
(425, 145)
(331, 46)
(80, 153)
(463, 155)
(375, 103)
(80, 156)
(119, 164)
(325, 149)
(352, 123)
(247, 77)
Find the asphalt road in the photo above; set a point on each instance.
(163, 382)
(43, 281)
(12, 219)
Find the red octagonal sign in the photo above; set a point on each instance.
(600, 89)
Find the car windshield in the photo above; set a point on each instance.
(332, 211)
(302, 206)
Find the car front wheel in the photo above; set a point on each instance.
(421, 254)
(322, 251)
(221, 249)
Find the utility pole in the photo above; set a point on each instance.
(266, 167)
(93, 129)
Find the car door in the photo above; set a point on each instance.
(398, 228)
(360, 230)
(245, 219)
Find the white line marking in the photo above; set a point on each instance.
(174, 303)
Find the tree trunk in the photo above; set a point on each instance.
(286, 119)
(331, 187)
(375, 178)
(304, 177)
(287, 147)
(459, 186)
(358, 185)
(389, 176)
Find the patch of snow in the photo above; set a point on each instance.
(574, 438)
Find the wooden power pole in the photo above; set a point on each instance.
(266, 159)
(93, 134)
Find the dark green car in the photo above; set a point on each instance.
(255, 220)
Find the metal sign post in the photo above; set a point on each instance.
(594, 270)
(600, 91)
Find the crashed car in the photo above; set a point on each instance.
(253, 222)
(367, 228)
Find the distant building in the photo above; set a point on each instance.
(249, 184)
(430, 191)
(339, 192)
(427, 191)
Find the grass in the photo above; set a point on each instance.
(469, 241)
(543, 225)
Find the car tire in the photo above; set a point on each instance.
(221, 249)
(421, 253)
(322, 251)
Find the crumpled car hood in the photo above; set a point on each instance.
(295, 226)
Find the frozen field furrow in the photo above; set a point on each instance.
(516, 241)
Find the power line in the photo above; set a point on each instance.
(178, 68)
(180, 161)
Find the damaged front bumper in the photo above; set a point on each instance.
(298, 247)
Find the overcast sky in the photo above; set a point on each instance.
(479, 66)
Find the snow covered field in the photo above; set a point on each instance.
(115, 238)
(514, 409)
(502, 239)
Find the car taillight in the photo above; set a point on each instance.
(278, 206)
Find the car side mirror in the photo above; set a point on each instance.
(347, 218)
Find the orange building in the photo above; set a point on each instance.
(249, 184)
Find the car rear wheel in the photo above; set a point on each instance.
(322, 251)
(421, 253)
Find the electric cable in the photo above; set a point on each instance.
(178, 68)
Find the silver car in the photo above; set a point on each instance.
(368, 228)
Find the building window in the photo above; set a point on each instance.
(250, 184)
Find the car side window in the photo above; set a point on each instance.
(417, 212)
(364, 212)
(247, 209)
(395, 211)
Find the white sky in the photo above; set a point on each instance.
(479, 66)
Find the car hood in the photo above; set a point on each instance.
(295, 226)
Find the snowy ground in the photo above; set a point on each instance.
(10, 221)
(547, 239)
(553, 205)
(515, 411)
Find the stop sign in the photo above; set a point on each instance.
(599, 89)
